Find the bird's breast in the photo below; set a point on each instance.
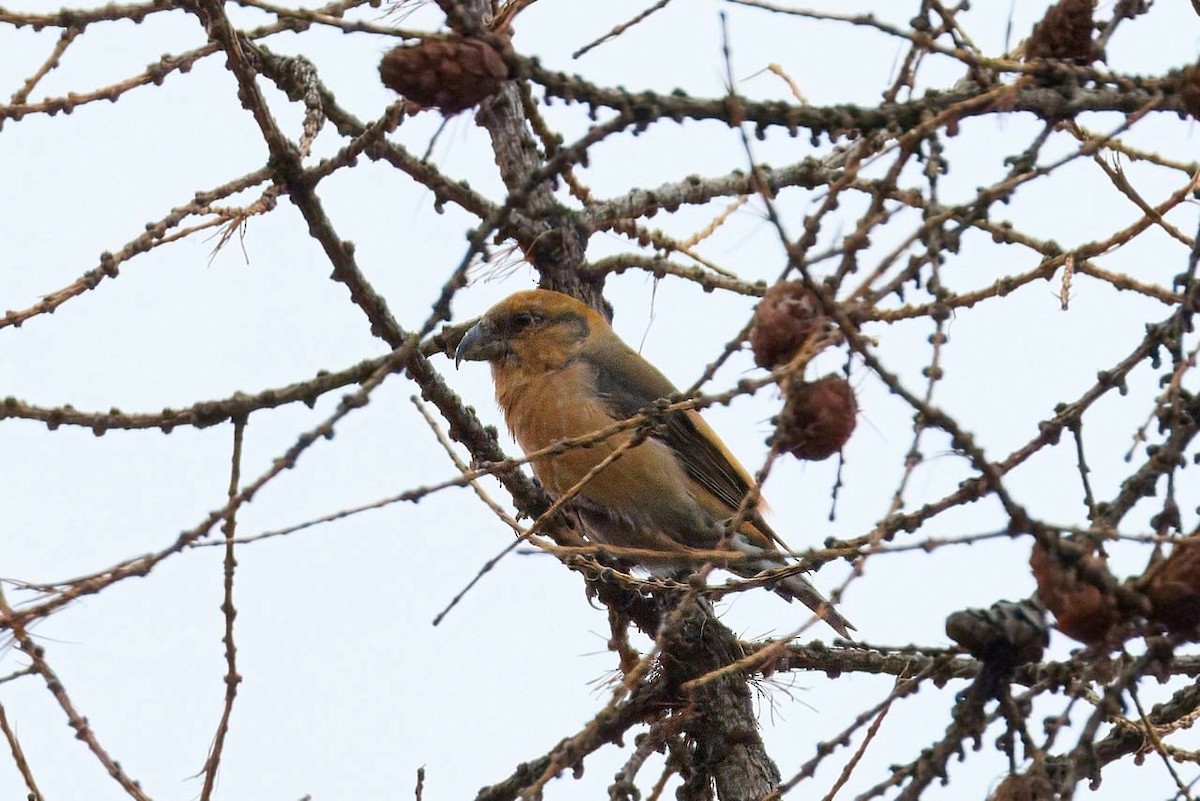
(541, 410)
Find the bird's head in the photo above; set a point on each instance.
(535, 329)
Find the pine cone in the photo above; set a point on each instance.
(1082, 610)
(449, 73)
(1005, 635)
(817, 418)
(1174, 590)
(1065, 32)
(1024, 787)
(1189, 90)
(784, 320)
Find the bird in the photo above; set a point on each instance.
(560, 371)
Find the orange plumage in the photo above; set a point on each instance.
(561, 371)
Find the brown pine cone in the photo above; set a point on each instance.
(1174, 590)
(1065, 32)
(1024, 787)
(1189, 90)
(817, 418)
(450, 73)
(784, 320)
(1082, 610)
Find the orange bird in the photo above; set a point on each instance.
(561, 371)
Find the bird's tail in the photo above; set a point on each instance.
(793, 587)
(797, 587)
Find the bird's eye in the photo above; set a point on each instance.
(524, 320)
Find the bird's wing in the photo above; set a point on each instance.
(628, 383)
